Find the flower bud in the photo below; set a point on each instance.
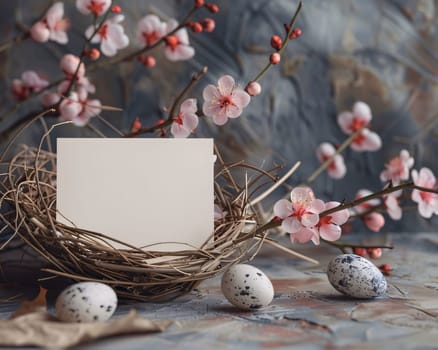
(374, 253)
(199, 3)
(196, 27)
(39, 32)
(116, 9)
(136, 125)
(93, 54)
(296, 33)
(360, 251)
(276, 42)
(147, 61)
(208, 25)
(253, 88)
(213, 8)
(275, 58)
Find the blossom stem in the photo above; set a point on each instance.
(343, 245)
(134, 54)
(14, 41)
(327, 163)
(85, 47)
(285, 41)
(381, 193)
(195, 78)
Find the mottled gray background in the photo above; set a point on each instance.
(381, 52)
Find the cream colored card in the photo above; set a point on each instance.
(140, 191)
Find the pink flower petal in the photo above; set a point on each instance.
(178, 131)
(317, 206)
(291, 224)
(180, 53)
(301, 194)
(55, 14)
(283, 208)
(303, 235)
(240, 98)
(374, 221)
(344, 120)
(369, 141)
(211, 92)
(189, 106)
(309, 219)
(233, 111)
(191, 121)
(226, 85)
(363, 111)
(330, 232)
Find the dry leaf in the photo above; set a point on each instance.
(43, 330)
(31, 325)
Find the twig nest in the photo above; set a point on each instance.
(246, 287)
(86, 302)
(356, 277)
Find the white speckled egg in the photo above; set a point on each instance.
(355, 276)
(246, 287)
(86, 302)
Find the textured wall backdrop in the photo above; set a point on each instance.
(382, 52)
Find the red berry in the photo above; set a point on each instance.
(196, 27)
(136, 125)
(374, 253)
(116, 9)
(360, 251)
(208, 25)
(276, 42)
(199, 3)
(275, 58)
(213, 8)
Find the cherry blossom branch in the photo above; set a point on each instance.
(85, 47)
(343, 245)
(195, 78)
(18, 39)
(329, 160)
(406, 185)
(285, 41)
(134, 54)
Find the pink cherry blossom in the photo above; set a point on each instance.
(150, 29)
(392, 205)
(224, 101)
(398, 168)
(29, 82)
(336, 168)
(52, 27)
(373, 220)
(350, 122)
(78, 108)
(111, 36)
(177, 45)
(300, 215)
(427, 201)
(329, 226)
(69, 65)
(96, 7)
(187, 120)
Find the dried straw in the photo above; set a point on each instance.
(28, 209)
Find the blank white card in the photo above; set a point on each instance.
(139, 191)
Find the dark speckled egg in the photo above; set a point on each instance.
(246, 287)
(86, 302)
(355, 276)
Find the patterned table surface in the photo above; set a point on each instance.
(307, 313)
